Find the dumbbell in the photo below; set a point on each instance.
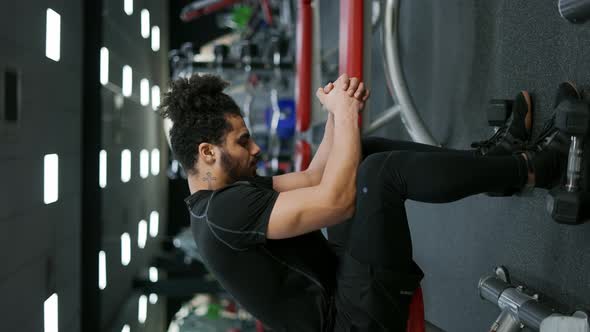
(248, 51)
(569, 203)
(221, 52)
(499, 111)
(187, 49)
(279, 47)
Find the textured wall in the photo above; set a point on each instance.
(457, 56)
(39, 243)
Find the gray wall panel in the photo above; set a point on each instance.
(41, 243)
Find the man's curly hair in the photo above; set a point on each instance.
(198, 108)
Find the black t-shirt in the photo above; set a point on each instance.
(287, 284)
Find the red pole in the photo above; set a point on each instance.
(304, 54)
(351, 40)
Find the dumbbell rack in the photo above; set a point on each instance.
(521, 309)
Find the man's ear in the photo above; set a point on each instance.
(207, 153)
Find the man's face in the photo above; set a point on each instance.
(239, 153)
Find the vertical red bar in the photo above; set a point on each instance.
(351, 44)
(304, 55)
(351, 38)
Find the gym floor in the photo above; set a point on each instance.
(456, 56)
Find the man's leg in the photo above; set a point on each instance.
(377, 269)
(338, 235)
(377, 273)
(374, 144)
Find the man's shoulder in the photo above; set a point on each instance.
(244, 187)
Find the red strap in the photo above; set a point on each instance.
(416, 313)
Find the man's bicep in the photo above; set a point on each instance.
(302, 211)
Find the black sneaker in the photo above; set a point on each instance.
(515, 134)
(547, 156)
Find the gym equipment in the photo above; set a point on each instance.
(286, 122)
(221, 53)
(200, 8)
(304, 65)
(248, 51)
(569, 203)
(498, 112)
(302, 155)
(520, 309)
(575, 11)
(394, 74)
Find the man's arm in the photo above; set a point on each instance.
(313, 174)
(308, 209)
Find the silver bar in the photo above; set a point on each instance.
(390, 114)
(574, 164)
(506, 323)
(395, 79)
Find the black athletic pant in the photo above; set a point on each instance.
(377, 274)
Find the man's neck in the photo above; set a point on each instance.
(205, 181)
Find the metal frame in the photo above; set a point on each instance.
(520, 310)
(395, 79)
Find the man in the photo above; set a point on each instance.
(260, 236)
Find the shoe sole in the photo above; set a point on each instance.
(528, 118)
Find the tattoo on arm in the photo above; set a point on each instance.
(208, 179)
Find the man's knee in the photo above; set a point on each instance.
(372, 165)
(371, 145)
(382, 170)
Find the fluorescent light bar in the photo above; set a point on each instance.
(153, 272)
(102, 270)
(125, 249)
(51, 178)
(141, 234)
(153, 298)
(127, 81)
(128, 7)
(53, 35)
(155, 38)
(104, 65)
(142, 309)
(126, 328)
(145, 23)
(102, 169)
(154, 223)
(50, 314)
(155, 162)
(125, 165)
(144, 92)
(155, 97)
(144, 164)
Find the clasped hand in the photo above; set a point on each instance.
(344, 94)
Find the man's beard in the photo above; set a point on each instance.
(232, 168)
